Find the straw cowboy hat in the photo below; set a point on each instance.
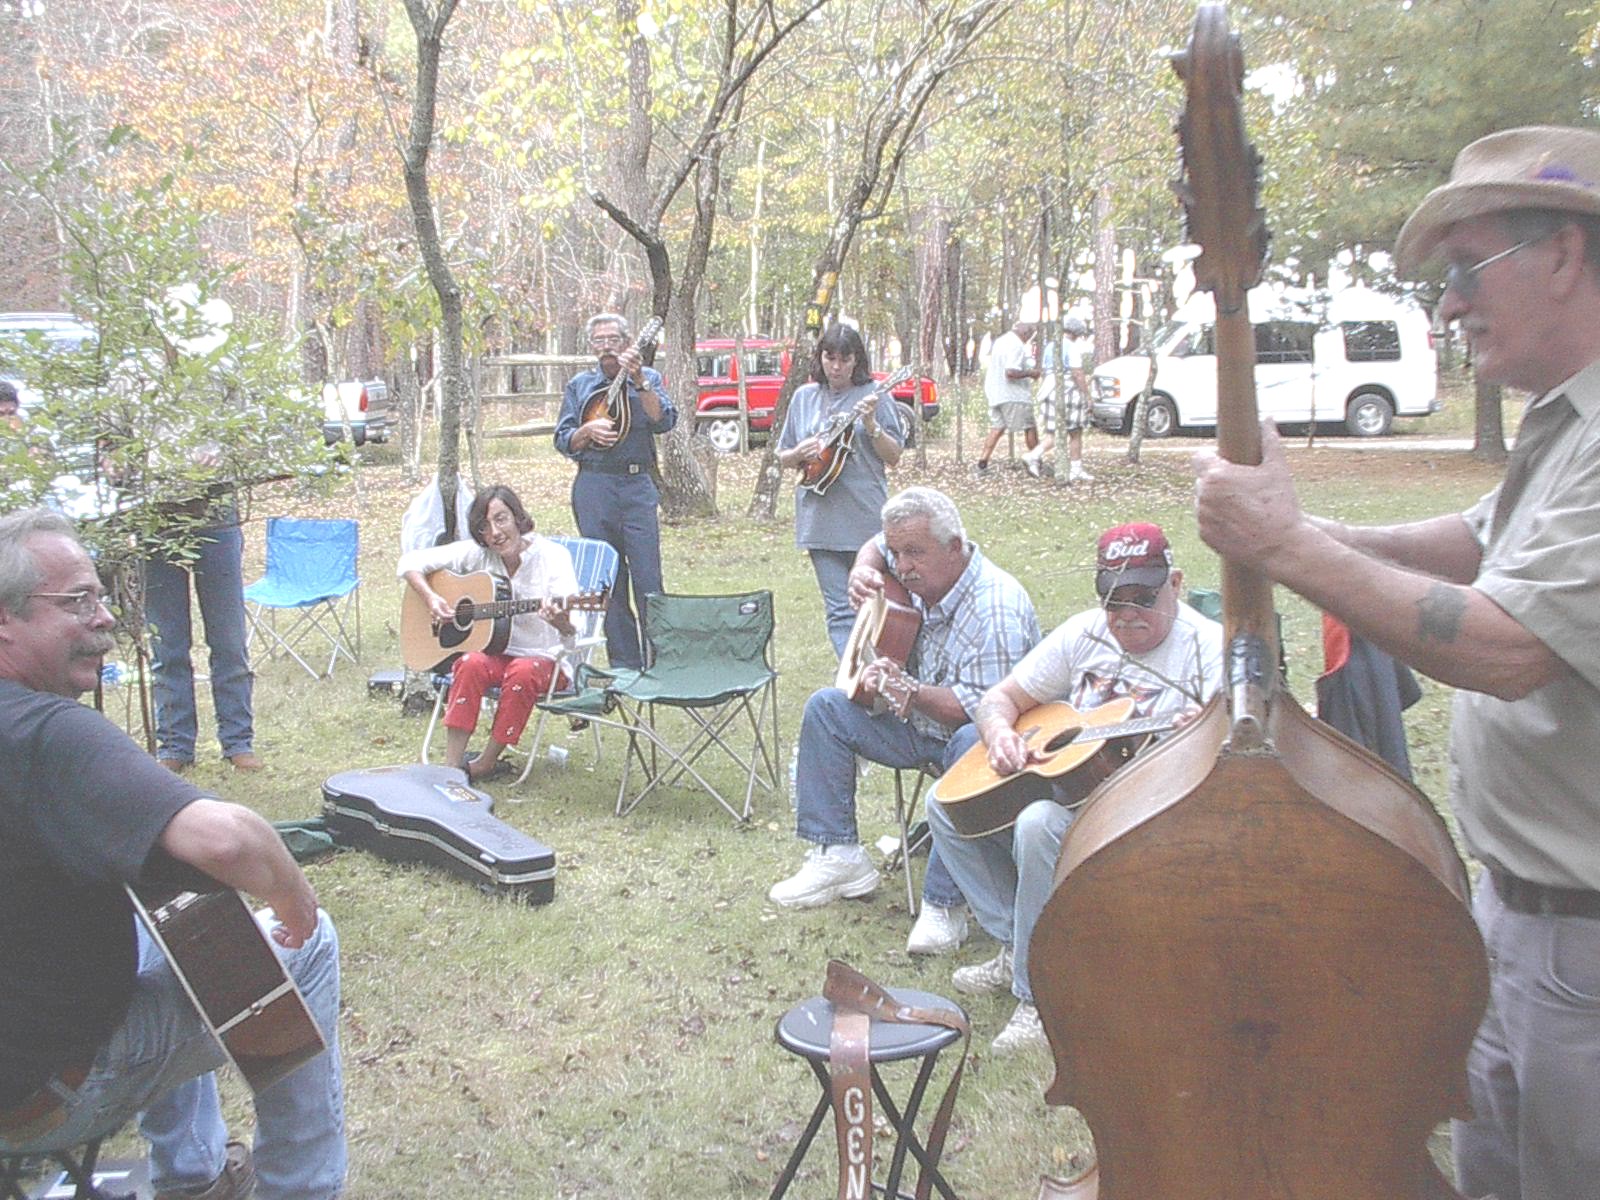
(1537, 166)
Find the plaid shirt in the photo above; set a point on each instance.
(971, 639)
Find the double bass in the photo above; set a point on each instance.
(1257, 970)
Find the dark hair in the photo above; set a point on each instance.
(840, 340)
(8, 394)
(479, 512)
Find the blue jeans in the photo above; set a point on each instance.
(219, 586)
(833, 577)
(622, 510)
(1006, 876)
(161, 1060)
(832, 732)
(1534, 1068)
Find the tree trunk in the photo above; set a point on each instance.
(1106, 335)
(888, 127)
(430, 40)
(1489, 438)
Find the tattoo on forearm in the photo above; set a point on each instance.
(1439, 613)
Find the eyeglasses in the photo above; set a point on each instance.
(499, 521)
(1132, 595)
(607, 339)
(1463, 280)
(85, 605)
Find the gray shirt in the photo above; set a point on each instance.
(850, 512)
(1525, 774)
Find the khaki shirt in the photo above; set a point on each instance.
(1525, 774)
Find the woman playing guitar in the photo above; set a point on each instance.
(504, 544)
(832, 523)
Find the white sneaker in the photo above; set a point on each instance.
(985, 978)
(830, 873)
(938, 930)
(1031, 461)
(1076, 474)
(1021, 1031)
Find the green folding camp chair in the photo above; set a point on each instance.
(711, 658)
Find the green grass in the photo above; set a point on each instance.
(618, 1042)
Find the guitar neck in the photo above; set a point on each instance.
(496, 609)
(1134, 728)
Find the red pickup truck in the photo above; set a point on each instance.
(764, 367)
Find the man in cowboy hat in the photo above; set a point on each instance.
(1498, 601)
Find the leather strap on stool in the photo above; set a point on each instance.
(856, 1002)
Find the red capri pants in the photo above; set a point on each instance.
(522, 682)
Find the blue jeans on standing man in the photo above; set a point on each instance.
(832, 732)
(624, 511)
(159, 1063)
(219, 585)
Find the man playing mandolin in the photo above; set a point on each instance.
(503, 544)
(832, 524)
(1498, 601)
(977, 623)
(614, 497)
(94, 1026)
(1141, 642)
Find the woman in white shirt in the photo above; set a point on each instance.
(503, 543)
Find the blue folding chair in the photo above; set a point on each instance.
(311, 570)
(595, 564)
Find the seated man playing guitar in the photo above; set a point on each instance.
(977, 623)
(503, 544)
(1142, 643)
(94, 1025)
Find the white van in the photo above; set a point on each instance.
(1357, 357)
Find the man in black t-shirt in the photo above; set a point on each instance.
(85, 996)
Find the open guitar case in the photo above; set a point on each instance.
(429, 813)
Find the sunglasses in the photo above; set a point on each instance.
(1132, 595)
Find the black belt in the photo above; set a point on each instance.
(633, 468)
(1543, 900)
(38, 1114)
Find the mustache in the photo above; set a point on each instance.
(99, 647)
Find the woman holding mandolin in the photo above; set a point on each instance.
(842, 433)
(503, 544)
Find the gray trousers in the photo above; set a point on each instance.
(1535, 1066)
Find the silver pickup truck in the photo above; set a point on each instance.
(359, 406)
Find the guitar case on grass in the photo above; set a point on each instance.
(429, 813)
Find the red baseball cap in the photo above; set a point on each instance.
(1132, 554)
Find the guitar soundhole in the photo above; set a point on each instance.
(1065, 738)
(456, 631)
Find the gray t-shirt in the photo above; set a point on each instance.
(850, 512)
(1525, 774)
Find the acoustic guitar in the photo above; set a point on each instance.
(1069, 753)
(838, 436)
(612, 399)
(233, 978)
(886, 627)
(482, 619)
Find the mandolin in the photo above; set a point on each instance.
(838, 436)
(612, 400)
